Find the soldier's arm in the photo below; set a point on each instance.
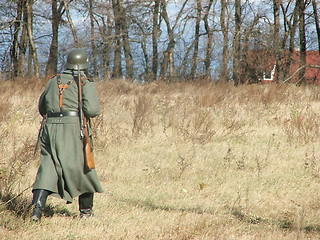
(42, 106)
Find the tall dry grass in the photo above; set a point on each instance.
(177, 161)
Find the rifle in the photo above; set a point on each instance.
(84, 133)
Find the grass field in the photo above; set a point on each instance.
(177, 161)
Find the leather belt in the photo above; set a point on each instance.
(63, 114)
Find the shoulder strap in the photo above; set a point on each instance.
(62, 88)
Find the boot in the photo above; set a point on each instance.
(85, 205)
(39, 201)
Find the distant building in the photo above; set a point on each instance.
(259, 66)
(312, 74)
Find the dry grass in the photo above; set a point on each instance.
(177, 161)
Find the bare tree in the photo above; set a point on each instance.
(107, 48)
(290, 27)
(316, 19)
(32, 46)
(168, 58)
(98, 13)
(209, 33)
(117, 67)
(237, 43)
(302, 36)
(155, 36)
(168, 54)
(249, 74)
(93, 38)
(143, 43)
(224, 74)
(19, 41)
(103, 18)
(73, 30)
(126, 43)
(23, 51)
(121, 33)
(57, 12)
(105, 30)
(276, 39)
(196, 39)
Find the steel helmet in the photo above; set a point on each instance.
(77, 57)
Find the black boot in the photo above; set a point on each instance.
(85, 205)
(39, 201)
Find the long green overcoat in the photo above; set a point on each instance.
(62, 169)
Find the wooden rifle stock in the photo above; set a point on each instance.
(84, 127)
(87, 148)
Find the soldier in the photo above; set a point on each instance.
(62, 172)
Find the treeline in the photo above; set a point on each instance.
(147, 40)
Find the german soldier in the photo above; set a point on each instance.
(62, 172)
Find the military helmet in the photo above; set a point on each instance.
(77, 57)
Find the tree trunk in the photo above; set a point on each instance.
(15, 44)
(73, 30)
(276, 40)
(107, 50)
(196, 40)
(168, 54)
(23, 43)
(184, 67)
(117, 68)
(33, 51)
(302, 37)
(316, 19)
(236, 44)
(105, 30)
(292, 33)
(55, 22)
(146, 57)
(20, 40)
(209, 32)
(126, 43)
(224, 75)
(248, 74)
(155, 35)
(93, 39)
